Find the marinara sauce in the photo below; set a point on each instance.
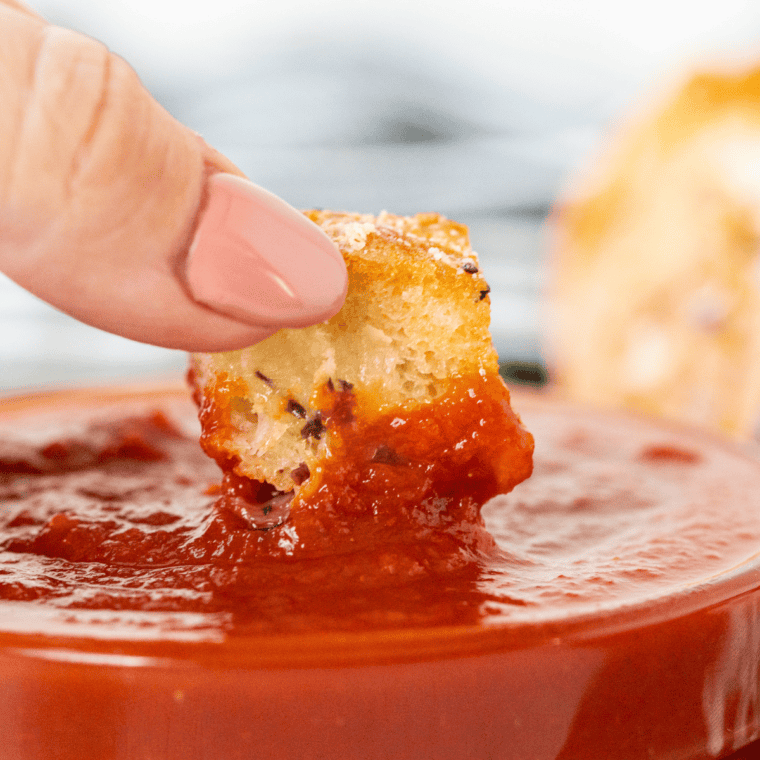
(607, 607)
(406, 481)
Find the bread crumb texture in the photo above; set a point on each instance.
(656, 284)
(415, 318)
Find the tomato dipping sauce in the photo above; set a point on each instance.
(615, 612)
(399, 486)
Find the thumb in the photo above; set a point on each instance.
(114, 212)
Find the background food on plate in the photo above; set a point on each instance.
(656, 290)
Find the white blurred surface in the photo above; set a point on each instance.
(479, 110)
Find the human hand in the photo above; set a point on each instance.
(112, 211)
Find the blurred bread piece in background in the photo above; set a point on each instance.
(655, 302)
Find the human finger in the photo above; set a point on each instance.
(114, 212)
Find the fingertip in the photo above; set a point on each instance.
(212, 337)
(259, 260)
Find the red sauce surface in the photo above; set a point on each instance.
(393, 536)
(125, 514)
(616, 615)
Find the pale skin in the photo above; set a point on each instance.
(101, 191)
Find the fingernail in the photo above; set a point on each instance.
(256, 258)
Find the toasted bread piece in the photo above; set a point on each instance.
(414, 329)
(657, 279)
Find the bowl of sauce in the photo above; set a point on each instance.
(614, 613)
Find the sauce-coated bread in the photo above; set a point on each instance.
(415, 321)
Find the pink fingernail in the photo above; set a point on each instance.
(258, 259)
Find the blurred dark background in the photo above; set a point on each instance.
(479, 110)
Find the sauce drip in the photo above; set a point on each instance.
(409, 476)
